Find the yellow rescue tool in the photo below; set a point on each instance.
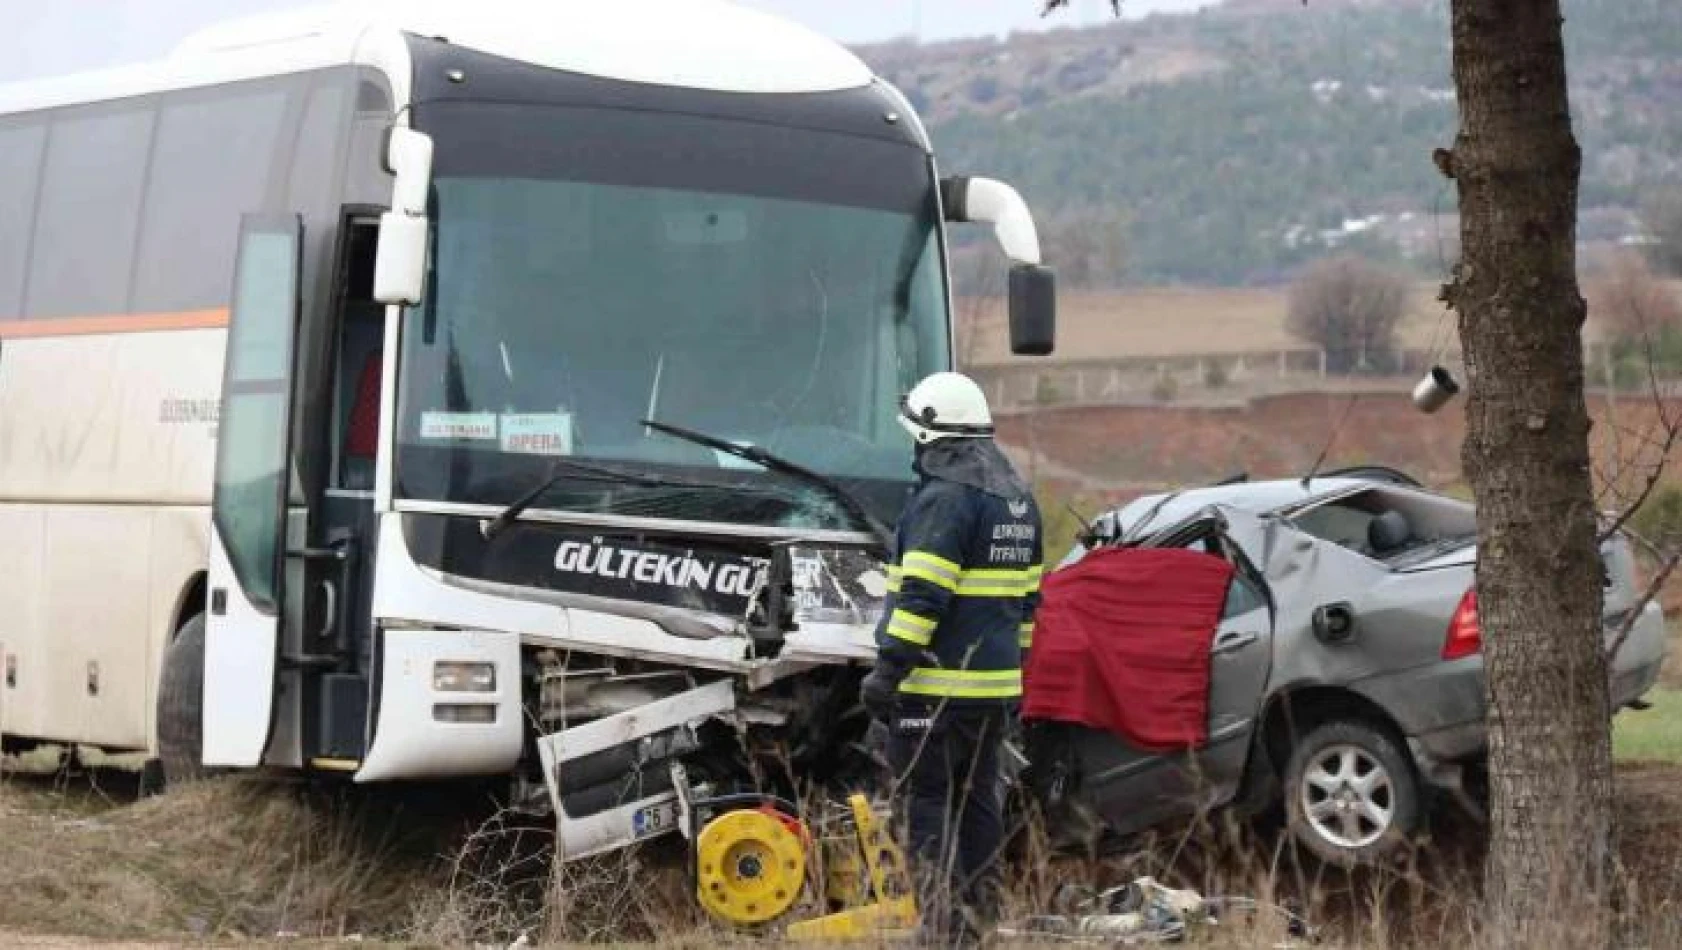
(752, 864)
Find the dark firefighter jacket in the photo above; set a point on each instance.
(965, 579)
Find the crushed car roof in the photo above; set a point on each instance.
(1253, 497)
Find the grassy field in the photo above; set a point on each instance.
(1165, 321)
(1168, 321)
(1652, 735)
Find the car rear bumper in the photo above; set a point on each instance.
(1440, 708)
(1439, 747)
(1636, 666)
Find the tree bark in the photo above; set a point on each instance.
(1526, 456)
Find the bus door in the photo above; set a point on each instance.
(335, 678)
(257, 508)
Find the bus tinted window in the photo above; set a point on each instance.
(212, 162)
(315, 157)
(90, 209)
(20, 171)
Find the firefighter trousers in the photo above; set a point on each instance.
(949, 799)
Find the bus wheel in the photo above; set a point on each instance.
(181, 704)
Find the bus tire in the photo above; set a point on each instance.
(181, 705)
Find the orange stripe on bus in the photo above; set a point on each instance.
(122, 323)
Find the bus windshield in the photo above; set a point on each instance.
(769, 286)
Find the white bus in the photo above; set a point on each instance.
(338, 352)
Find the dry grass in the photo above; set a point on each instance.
(225, 858)
(1427, 899)
(231, 857)
(239, 859)
(244, 859)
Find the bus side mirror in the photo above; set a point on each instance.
(408, 158)
(1033, 291)
(1033, 310)
(400, 260)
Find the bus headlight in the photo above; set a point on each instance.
(476, 713)
(449, 676)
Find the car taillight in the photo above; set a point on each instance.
(1463, 637)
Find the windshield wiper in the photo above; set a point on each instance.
(562, 468)
(775, 463)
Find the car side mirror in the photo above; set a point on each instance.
(1334, 624)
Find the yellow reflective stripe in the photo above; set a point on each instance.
(932, 568)
(911, 628)
(981, 582)
(933, 562)
(1000, 582)
(993, 582)
(938, 580)
(963, 684)
(1025, 634)
(1017, 575)
(915, 622)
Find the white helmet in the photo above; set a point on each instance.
(945, 406)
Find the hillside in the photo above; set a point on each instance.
(1229, 146)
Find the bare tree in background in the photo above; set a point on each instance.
(1629, 302)
(1349, 307)
(1517, 166)
(1090, 248)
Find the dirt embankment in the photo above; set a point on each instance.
(1126, 449)
(1094, 457)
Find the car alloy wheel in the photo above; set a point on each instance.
(1348, 796)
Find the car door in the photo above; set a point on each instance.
(1241, 659)
(1131, 789)
(1241, 649)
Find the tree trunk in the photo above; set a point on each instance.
(1526, 455)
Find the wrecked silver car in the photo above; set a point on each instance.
(1336, 672)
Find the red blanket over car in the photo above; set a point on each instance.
(1121, 643)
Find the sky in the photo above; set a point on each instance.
(49, 37)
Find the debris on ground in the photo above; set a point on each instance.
(1144, 911)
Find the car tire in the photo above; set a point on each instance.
(1352, 797)
(181, 705)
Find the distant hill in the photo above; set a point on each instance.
(1229, 146)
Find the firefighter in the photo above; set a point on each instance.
(947, 682)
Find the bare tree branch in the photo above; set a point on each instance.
(1634, 302)
(1653, 586)
(1631, 305)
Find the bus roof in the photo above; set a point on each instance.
(701, 44)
